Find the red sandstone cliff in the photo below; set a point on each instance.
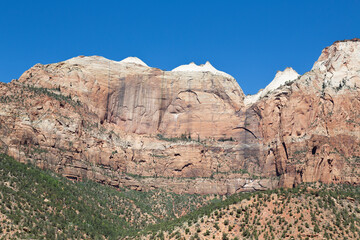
(100, 119)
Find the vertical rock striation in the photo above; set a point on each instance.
(191, 129)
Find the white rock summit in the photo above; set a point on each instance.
(339, 64)
(134, 60)
(98, 61)
(207, 67)
(280, 79)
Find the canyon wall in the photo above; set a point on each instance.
(188, 130)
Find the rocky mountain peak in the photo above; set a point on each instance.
(341, 55)
(340, 63)
(207, 67)
(85, 60)
(133, 60)
(99, 60)
(280, 79)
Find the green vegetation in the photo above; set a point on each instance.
(341, 85)
(184, 137)
(5, 99)
(38, 150)
(159, 155)
(307, 211)
(302, 151)
(41, 204)
(226, 139)
(51, 93)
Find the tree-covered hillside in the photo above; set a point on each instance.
(40, 204)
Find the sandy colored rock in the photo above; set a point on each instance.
(127, 124)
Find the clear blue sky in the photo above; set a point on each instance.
(250, 40)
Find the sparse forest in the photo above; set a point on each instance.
(40, 204)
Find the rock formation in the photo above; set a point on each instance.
(311, 126)
(145, 100)
(187, 130)
(281, 78)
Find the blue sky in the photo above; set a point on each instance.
(250, 40)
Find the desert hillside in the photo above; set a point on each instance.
(40, 204)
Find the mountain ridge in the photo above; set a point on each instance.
(128, 125)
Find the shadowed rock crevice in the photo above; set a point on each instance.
(183, 167)
(191, 91)
(313, 151)
(246, 130)
(285, 149)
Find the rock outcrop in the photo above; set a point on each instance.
(187, 130)
(144, 100)
(311, 126)
(281, 78)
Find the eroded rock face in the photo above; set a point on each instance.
(102, 123)
(89, 117)
(145, 100)
(312, 127)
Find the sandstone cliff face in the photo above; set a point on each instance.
(44, 127)
(100, 119)
(96, 118)
(145, 100)
(311, 127)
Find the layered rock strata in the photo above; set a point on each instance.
(188, 130)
